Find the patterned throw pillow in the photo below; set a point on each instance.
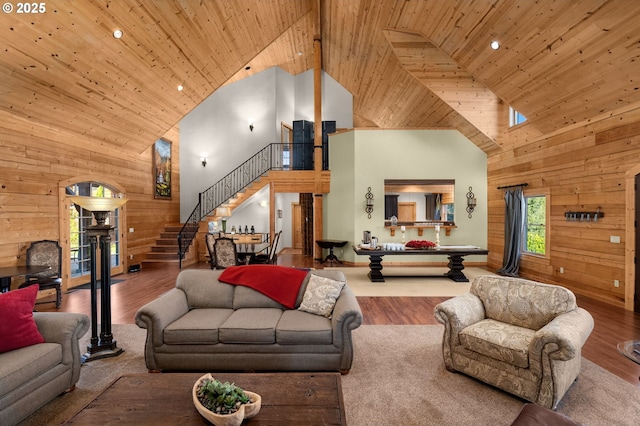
(321, 295)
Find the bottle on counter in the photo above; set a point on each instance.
(246, 229)
(253, 230)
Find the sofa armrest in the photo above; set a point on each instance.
(155, 316)
(564, 336)
(459, 312)
(456, 314)
(347, 316)
(66, 329)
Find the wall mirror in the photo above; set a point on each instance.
(419, 201)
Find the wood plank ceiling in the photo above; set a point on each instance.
(561, 62)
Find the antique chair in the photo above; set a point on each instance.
(46, 253)
(521, 336)
(225, 253)
(210, 240)
(269, 257)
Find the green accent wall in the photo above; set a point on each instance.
(365, 158)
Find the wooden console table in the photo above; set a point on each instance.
(455, 253)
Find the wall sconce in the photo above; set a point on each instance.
(369, 202)
(204, 161)
(251, 124)
(471, 202)
(279, 213)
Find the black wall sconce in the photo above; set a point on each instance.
(471, 202)
(369, 202)
(204, 161)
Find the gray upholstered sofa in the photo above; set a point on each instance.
(204, 324)
(521, 336)
(32, 376)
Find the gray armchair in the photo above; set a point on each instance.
(521, 336)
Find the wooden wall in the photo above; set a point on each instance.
(582, 168)
(35, 158)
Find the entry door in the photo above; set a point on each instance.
(296, 225)
(636, 299)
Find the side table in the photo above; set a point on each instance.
(331, 244)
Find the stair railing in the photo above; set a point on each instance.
(271, 157)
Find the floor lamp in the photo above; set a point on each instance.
(104, 346)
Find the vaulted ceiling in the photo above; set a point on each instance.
(408, 63)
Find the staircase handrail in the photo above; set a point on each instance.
(268, 158)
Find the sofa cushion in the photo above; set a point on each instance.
(198, 326)
(251, 325)
(301, 328)
(497, 340)
(19, 366)
(321, 295)
(203, 290)
(17, 327)
(245, 297)
(521, 302)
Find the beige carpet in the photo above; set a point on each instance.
(398, 378)
(406, 285)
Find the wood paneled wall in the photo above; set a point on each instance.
(582, 168)
(34, 158)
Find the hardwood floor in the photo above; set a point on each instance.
(612, 325)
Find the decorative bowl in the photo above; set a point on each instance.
(245, 411)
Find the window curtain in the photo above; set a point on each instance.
(513, 231)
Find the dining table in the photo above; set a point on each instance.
(8, 272)
(247, 251)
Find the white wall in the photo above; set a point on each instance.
(365, 158)
(219, 126)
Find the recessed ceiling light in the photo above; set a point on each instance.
(180, 87)
(117, 34)
(299, 53)
(495, 45)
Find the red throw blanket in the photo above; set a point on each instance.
(281, 283)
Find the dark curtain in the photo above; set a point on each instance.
(433, 206)
(306, 207)
(430, 211)
(513, 231)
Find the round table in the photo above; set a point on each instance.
(331, 244)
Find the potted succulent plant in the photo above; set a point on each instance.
(224, 403)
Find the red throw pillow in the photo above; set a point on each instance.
(17, 326)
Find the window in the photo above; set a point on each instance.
(80, 219)
(535, 224)
(515, 117)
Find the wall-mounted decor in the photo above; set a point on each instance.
(162, 169)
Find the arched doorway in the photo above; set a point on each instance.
(73, 223)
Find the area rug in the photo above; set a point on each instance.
(403, 284)
(398, 378)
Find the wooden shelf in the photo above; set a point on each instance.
(421, 228)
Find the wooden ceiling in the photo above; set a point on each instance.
(408, 63)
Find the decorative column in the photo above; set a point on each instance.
(103, 346)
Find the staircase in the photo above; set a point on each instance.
(165, 249)
(263, 168)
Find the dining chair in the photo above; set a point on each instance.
(210, 241)
(46, 253)
(225, 253)
(270, 257)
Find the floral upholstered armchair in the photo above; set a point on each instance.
(521, 336)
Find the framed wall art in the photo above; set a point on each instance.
(162, 169)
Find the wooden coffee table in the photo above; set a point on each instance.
(165, 399)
